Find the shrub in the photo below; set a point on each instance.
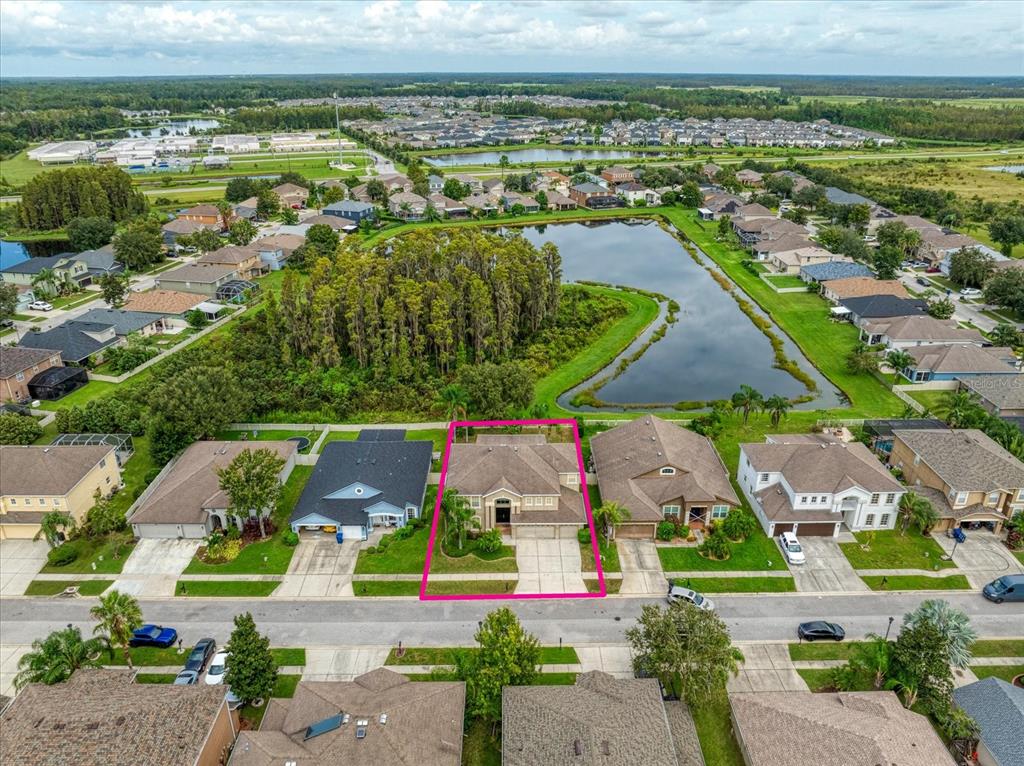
(234, 533)
(372, 549)
(683, 531)
(715, 545)
(739, 525)
(62, 555)
(289, 538)
(384, 543)
(666, 530)
(404, 533)
(583, 535)
(490, 541)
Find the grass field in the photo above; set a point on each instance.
(713, 720)
(998, 647)
(934, 401)
(916, 582)
(107, 553)
(370, 588)
(756, 553)
(739, 584)
(823, 650)
(970, 103)
(1005, 672)
(225, 588)
(53, 587)
(888, 549)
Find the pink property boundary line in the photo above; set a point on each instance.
(424, 596)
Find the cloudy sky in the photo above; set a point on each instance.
(905, 37)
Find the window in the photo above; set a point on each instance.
(474, 501)
(719, 511)
(803, 499)
(961, 498)
(107, 480)
(890, 498)
(869, 520)
(56, 501)
(670, 510)
(917, 460)
(1020, 494)
(20, 376)
(549, 501)
(885, 520)
(527, 501)
(42, 501)
(874, 499)
(763, 477)
(103, 462)
(993, 497)
(668, 471)
(14, 501)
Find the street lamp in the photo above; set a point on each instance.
(889, 628)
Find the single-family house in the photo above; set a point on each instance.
(510, 199)
(448, 207)
(521, 483)
(998, 709)
(598, 720)
(813, 485)
(753, 210)
(558, 201)
(351, 210)
(965, 475)
(202, 278)
(881, 307)
(552, 180)
(246, 261)
(594, 196)
(276, 249)
(710, 170)
(617, 174)
(38, 480)
(849, 728)
(205, 213)
(76, 342)
(905, 332)
(799, 181)
(396, 182)
(407, 206)
(659, 471)
(124, 321)
(751, 230)
(818, 273)
(915, 222)
(493, 186)
(292, 195)
(171, 306)
(881, 432)
(837, 290)
(337, 223)
(1000, 395)
(844, 198)
(937, 245)
(179, 227)
(719, 205)
(185, 500)
(635, 193)
(380, 717)
(790, 261)
(763, 249)
(101, 262)
(104, 716)
(959, 361)
(19, 365)
(435, 183)
(749, 177)
(67, 268)
(376, 481)
(247, 208)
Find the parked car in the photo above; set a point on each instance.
(1006, 588)
(234, 701)
(970, 292)
(40, 306)
(923, 282)
(820, 631)
(679, 593)
(153, 635)
(791, 548)
(920, 264)
(218, 667)
(201, 654)
(186, 678)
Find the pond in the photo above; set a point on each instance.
(1015, 169)
(526, 156)
(712, 348)
(173, 128)
(16, 252)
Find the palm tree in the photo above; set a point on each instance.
(953, 624)
(776, 406)
(1005, 335)
(747, 399)
(226, 211)
(861, 359)
(961, 408)
(905, 683)
(503, 163)
(607, 515)
(54, 658)
(53, 525)
(899, 361)
(925, 517)
(456, 403)
(458, 516)
(46, 280)
(117, 614)
(912, 509)
(870, 658)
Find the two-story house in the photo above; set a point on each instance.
(520, 483)
(246, 261)
(965, 475)
(814, 485)
(659, 471)
(617, 174)
(407, 206)
(19, 365)
(67, 268)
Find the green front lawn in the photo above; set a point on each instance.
(440, 588)
(739, 584)
(401, 556)
(549, 655)
(150, 656)
(448, 559)
(155, 678)
(817, 679)
(998, 647)
(225, 588)
(107, 553)
(609, 556)
(610, 586)
(1005, 672)
(786, 280)
(821, 650)
(713, 720)
(756, 553)
(916, 582)
(53, 587)
(891, 550)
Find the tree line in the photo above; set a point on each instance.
(53, 199)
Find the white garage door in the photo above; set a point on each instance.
(351, 533)
(536, 531)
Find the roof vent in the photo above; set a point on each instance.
(577, 747)
(606, 748)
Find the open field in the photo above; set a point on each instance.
(970, 103)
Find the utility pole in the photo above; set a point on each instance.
(337, 124)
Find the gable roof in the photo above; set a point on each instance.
(350, 205)
(15, 359)
(233, 255)
(166, 302)
(200, 210)
(921, 327)
(845, 729)
(123, 321)
(35, 265)
(612, 722)
(390, 471)
(840, 197)
(201, 273)
(52, 470)
(998, 708)
(101, 716)
(866, 285)
(625, 453)
(835, 270)
(504, 461)
(884, 305)
(590, 188)
(966, 459)
(423, 725)
(960, 357)
(1005, 392)
(189, 484)
(785, 243)
(71, 340)
(182, 226)
(821, 467)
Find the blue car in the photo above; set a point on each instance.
(153, 635)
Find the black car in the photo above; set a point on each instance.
(201, 654)
(820, 631)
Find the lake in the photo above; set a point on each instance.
(708, 352)
(526, 156)
(173, 128)
(16, 252)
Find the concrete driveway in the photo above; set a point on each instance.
(641, 568)
(153, 567)
(827, 570)
(766, 668)
(20, 562)
(320, 568)
(982, 558)
(549, 566)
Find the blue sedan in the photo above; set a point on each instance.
(153, 635)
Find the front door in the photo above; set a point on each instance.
(502, 511)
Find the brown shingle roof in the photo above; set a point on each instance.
(201, 273)
(423, 725)
(15, 359)
(163, 301)
(857, 287)
(608, 721)
(624, 454)
(47, 470)
(513, 464)
(922, 327)
(287, 242)
(846, 729)
(191, 484)
(101, 717)
(966, 459)
(822, 467)
(232, 255)
(962, 358)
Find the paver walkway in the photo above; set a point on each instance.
(641, 568)
(549, 566)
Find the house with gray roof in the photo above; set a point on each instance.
(1001, 395)
(867, 307)
(76, 341)
(351, 210)
(202, 278)
(379, 480)
(520, 482)
(963, 473)
(906, 332)
(598, 720)
(998, 709)
(825, 272)
(101, 261)
(68, 268)
(959, 362)
(811, 484)
(839, 197)
(659, 471)
(19, 365)
(124, 322)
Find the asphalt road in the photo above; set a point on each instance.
(388, 621)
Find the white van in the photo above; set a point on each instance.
(791, 548)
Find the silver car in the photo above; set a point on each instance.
(679, 593)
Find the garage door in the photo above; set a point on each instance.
(18, 531)
(568, 532)
(823, 529)
(535, 531)
(634, 531)
(351, 533)
(780, 528)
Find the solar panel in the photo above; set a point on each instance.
(322, 727)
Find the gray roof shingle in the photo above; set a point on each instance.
(998, 708)
(966, 459)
